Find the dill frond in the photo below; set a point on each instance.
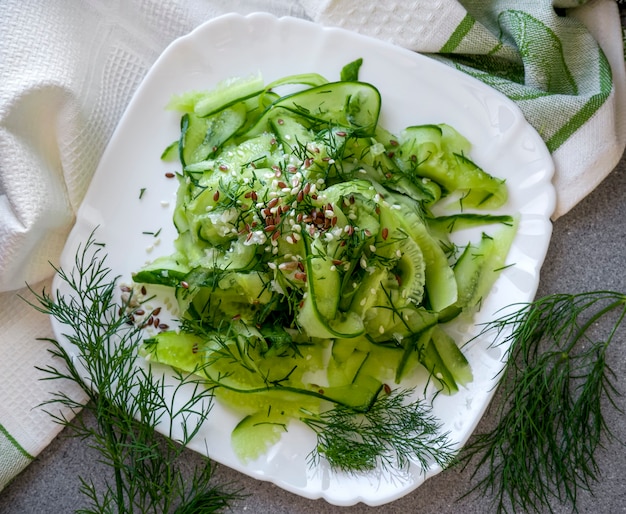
(127, 399)
(550, 421)
(390, 435)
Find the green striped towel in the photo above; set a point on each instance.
(561, 62)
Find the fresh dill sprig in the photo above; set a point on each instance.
(550, 420)
(390, 435)
(128, 400)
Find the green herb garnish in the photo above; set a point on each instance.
(127, 400)
(550, 420)
(391, 434)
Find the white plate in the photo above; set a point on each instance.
(415, 89)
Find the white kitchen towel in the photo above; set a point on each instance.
(69, 69)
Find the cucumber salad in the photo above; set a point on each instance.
(315, 266)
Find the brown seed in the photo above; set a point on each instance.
(216, 196)
(385, 233)
(387, 389)
(169, 174)
(156, 311)
(143, 290)
(275, 235)
(163, 326)
(272, 203)
(184, 285)
(299, 275)
(270, 228)
(281, 185)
